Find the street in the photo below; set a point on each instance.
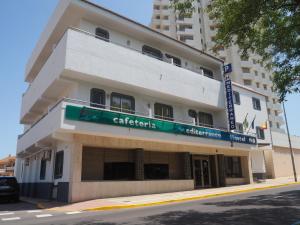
(272, 206)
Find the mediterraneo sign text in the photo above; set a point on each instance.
(102, 116)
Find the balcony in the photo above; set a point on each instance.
(246, 63)
(70, 116)
(81, 56)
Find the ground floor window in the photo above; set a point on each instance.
(119, 171)
(233, 167)
(59, 165)
(156, 171)
(43, 169)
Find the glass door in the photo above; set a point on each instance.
(202, 173)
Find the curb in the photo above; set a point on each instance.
(103, 208)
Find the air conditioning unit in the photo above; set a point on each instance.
(47, 155)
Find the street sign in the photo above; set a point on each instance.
(227, 68)
(230, 104)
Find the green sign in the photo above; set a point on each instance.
(102, 116)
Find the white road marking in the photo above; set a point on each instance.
(72, 213)
(43, 215)
(10, 218)
(8, 213)
(34, 211)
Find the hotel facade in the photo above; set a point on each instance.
(114, 108)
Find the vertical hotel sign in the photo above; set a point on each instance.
(229, 97)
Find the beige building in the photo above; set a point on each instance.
(7, 166)
(114, 108)
(199, 31)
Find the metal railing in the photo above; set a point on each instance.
(123, 111)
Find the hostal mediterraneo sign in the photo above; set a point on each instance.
(103, 116)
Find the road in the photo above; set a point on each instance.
(280, 206)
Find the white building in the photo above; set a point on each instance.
(199, 31)
(115, 108)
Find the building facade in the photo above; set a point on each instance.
(7, 166)
(199, 31)
(114, 108)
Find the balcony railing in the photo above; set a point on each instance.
(94, 108)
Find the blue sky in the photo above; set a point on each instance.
(22, 23)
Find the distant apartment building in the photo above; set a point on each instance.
(114, 108)
(199, 31)
(7, 166)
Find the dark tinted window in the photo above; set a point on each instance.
(122, 103)
(236, 98)
(207, 72)
(260, 133)
(193, 114)
(97, 98)
(239, 128)
(256, 103)
(176, 61)
(59, 165)
(233, 166)
(156, 171)
(205, 119)
(163, 111)
(153, 52)
(102, 34)
(119, 171)
(43, 169)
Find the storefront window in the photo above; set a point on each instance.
(233, 167)
(119, 171)
(156, 171)
(59, 165)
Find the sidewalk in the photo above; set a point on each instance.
(164, 198)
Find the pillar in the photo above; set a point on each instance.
(221, 170)
(186, 161)
(139, 164)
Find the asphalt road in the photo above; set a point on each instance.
(280, 206)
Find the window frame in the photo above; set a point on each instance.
(122, 96)
(233, 163)
(43, 169)
(162, 117)
(176, 60)
(207, 72)
(235, 99)
(152, 52)
(103, 34)
(59, 165)
(260, 133)
(95, 104)
(256, 106)
(190, 111)
(209, 117)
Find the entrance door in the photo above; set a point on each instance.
(202, 173)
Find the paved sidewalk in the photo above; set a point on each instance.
(164, 198)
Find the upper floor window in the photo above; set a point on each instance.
(163, 111)
(247, 82)
(152, 52)
(236, 98)
(97, 98)
(256, 103)
(102, 34)
(245, 70)
(176, 61)
(239, 128)
(207, 72)
(193, 114)
(260, 133)
(205, 119)
(122, 103)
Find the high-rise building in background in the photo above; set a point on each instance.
(199, 31)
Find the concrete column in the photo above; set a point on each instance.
(186, 160)
(139, 164)
(221, 170)
(246, 168)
